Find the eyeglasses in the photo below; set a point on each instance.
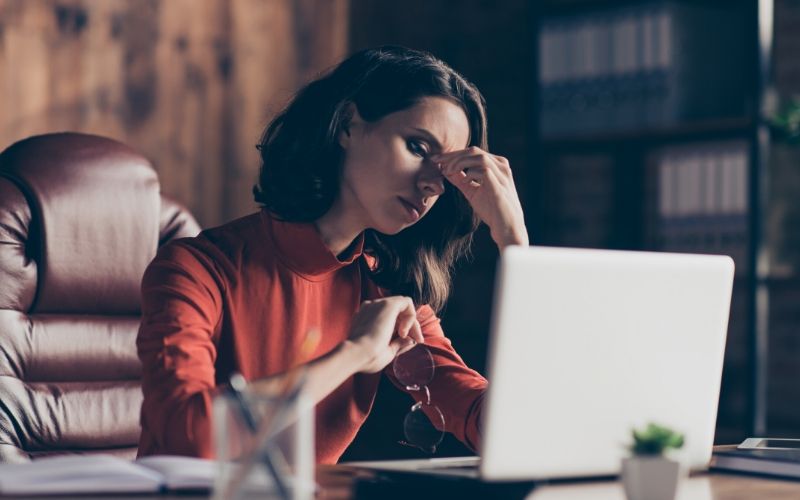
(423, 425)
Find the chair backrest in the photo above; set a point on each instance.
(81, 216)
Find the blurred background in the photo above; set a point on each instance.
(648, 125)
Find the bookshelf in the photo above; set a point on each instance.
(652, 133)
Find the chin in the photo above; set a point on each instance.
(392, 228)
(391, 225)
(390, 231)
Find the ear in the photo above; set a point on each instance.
(349, 116)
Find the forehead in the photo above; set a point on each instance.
(443, 118)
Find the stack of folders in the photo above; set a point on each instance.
(780, 463)
(653, 65)
(702, 207)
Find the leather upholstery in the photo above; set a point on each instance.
(81, 216)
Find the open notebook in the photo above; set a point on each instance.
(84, 474)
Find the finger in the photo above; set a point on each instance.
(483, 178)
(471, 150)
(405, 348)
(399, 346)
(464, 175)
(405, 307)
(462, 184)
(467, 178)
(455, 165)
(405, 314)
(409, 311)
(474, 176)
(477, 165)
(503, 164)
(416, 332)
(405, 323)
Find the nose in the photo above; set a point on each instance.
(430, 181)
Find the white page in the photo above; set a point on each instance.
(76, 474)
(180, 473)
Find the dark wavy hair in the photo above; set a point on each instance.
(302, 162)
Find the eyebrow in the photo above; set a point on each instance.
(429, 137)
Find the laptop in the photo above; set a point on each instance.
(586, 345)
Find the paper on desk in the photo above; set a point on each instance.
(78, 474)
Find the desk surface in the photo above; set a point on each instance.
(338, 485)
(712, 486)
(708, 486)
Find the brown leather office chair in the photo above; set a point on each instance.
(81, 216)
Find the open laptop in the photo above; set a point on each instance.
(586, 345)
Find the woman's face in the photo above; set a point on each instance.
(388, 182)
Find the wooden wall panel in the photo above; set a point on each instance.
(306, 37)
(190, 83)
(260, 92)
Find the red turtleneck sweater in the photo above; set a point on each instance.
(240, 297)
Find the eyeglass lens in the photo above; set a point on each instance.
(423, 425)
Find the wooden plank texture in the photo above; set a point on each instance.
(189, 83)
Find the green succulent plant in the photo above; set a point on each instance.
(785, 123)
(655, 440)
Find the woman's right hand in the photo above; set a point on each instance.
(382, 329)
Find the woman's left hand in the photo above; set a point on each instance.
(486, 182)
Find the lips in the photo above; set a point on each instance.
(413, 211)
(416, 204)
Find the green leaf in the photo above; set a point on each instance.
(654, 440)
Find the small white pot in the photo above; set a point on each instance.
(650, 478)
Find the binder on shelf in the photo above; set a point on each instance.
(701, 199)
(655, 65)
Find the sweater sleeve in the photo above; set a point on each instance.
(456, 389)
(181, 306)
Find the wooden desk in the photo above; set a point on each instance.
(712, 486)
(337, 484)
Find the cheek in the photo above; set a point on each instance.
(359, 165)
(370, 156)
(378, 169)
(367, 179)
(381, 171)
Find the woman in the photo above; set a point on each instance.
(373, 180)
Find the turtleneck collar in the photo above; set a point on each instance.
(301, 248)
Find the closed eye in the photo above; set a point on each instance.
(417, 147)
